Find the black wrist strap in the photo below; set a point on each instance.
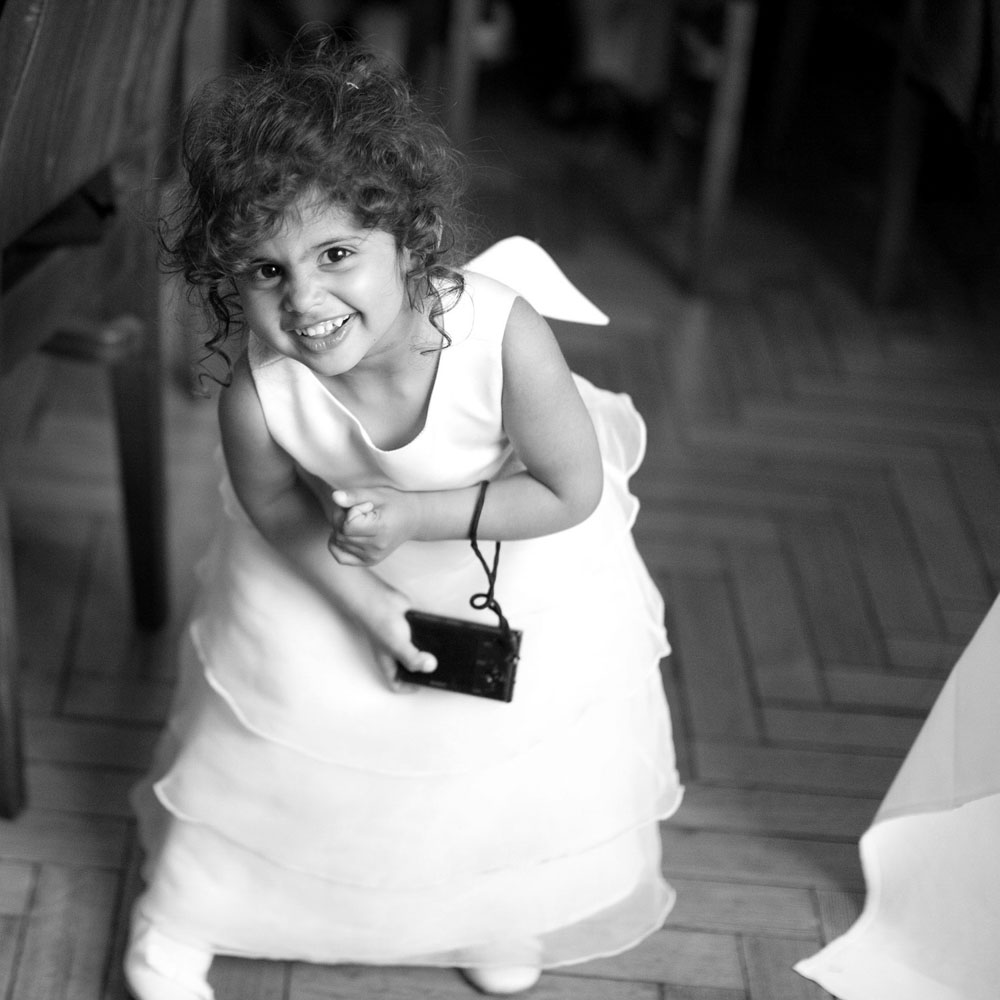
(486, 600)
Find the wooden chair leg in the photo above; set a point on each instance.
(12, 792)
(724, 134)
(901, 168)
(460, 68)
(138, 408)
(798, 26)
(123, 347)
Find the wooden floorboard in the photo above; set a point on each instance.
(819, 507)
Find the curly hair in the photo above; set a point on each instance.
(332, 119)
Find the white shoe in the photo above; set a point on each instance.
(503, 979)
(159, 968)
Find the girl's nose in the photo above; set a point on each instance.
(302, 293)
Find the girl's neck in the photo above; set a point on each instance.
(390, 397)
(396, 361)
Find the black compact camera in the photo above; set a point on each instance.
(474, 659)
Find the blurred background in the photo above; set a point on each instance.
(895, 101)
(892, 102)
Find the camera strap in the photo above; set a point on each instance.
(486, 600)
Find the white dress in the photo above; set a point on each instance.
(299, 809)
(930, 927)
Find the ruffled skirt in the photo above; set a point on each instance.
(299, 809)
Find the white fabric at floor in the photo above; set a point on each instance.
(930, 928)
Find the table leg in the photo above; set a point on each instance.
(137, 392)
(12, 794)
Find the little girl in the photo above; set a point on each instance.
(306, 805)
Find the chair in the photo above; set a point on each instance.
(723, 59)
(441, 51)
(74, 145)
(437, 41)
(686, 73)
(937, 53)
(725, 62)
(462, 67)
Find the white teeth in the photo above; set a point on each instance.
(323, 329)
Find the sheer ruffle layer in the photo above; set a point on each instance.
(558, 844)
(214, 893)
(610, 771)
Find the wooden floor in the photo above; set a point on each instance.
(820, 509)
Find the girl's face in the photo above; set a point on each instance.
(328, 294)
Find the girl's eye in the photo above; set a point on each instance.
(262, 274)
(335, 255)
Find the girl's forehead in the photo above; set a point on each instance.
(310, 222)
(314, 210)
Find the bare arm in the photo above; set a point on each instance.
(290, 517)
(552, 435)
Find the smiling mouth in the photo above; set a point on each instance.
(320, 330)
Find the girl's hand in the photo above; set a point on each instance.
(376, 520)
(385, 622)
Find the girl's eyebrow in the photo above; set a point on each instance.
(354, 239)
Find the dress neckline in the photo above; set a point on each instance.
(429, 407)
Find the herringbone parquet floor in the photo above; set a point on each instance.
(819, 508)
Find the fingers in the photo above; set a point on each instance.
(346, 556)
(352, 500)
(418, 661)
(359, 518)
(354, 505)
(388, 666)
(357, 542)
(414, 660)
(354, 547)
(361, 512)
(351, 550)
(393, 641)
(360, 522)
